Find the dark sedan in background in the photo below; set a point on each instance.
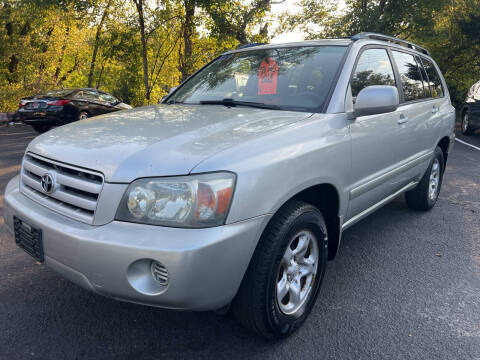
(471, 110)
(59, 107)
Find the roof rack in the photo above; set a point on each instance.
(249, 45)
(381, 37)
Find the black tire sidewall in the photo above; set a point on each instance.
(439, 156)
(469, 130)
(280, 323)
(41, 128)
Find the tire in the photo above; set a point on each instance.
(41, 128)
(256, 306)
(82, 115)
(422, 197)
(466, 127)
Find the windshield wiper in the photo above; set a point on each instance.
(173, 101)
(228, 102)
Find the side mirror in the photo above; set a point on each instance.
(169, 92)
(376, 99)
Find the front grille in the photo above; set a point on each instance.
(75, 191)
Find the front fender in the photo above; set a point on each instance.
(273, 168)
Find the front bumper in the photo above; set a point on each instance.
(205, 266)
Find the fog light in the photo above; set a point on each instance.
(148, 277)
(159, 273)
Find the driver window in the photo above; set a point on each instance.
(373, 68)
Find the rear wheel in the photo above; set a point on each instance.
(41, 128)
(466, 128)
(82, 116)
(285, 273)
(424, 196)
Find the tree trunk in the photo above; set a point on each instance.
(97, 44)
(185, 58)
(141, 21)
(62, 55)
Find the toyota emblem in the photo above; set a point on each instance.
(48, 184)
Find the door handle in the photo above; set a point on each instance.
(403, 119)
(434, 109)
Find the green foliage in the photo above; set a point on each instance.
(47, 44)
(450, 29)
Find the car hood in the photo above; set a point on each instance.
(159, 140)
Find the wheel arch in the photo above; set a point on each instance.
(326, 198)
(444, 144)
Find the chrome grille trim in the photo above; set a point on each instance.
(76, 193)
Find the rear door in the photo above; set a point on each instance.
(95, 106)
(418, 110)
(374, 137)
(108, 102)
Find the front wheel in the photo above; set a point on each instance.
(285, 273)
(424, 196)
(466, 128)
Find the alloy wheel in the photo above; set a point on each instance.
(465, 123)
(296, 274)
(434, 180)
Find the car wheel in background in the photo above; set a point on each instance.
(41, 128)
(284, 276)
(82, 116)
(466, 128)
(424, 196)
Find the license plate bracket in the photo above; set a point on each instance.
(29, 238)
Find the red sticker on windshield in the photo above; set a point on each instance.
(267, 77)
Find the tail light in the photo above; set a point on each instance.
(22, 103)
(58, 102)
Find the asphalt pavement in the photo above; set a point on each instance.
(405, 285)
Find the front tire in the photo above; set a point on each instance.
(424, 196)
(285, 273)
(41, 128)
(466, 128)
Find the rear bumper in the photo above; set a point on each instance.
(49, 117)
(205, 266)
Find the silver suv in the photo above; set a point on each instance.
(237, 188)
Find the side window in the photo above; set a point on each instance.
(373, 68)
(90, 95)
(426, 86)
(107, 97)
(433, 78)
(410, 75)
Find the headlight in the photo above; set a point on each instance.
(184, 201)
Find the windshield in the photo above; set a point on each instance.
(295, 78)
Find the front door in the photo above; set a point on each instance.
(373, 137)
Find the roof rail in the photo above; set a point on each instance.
(375, 36)
(249, 45)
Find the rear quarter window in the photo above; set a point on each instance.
(433, 78)
(412, 81)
